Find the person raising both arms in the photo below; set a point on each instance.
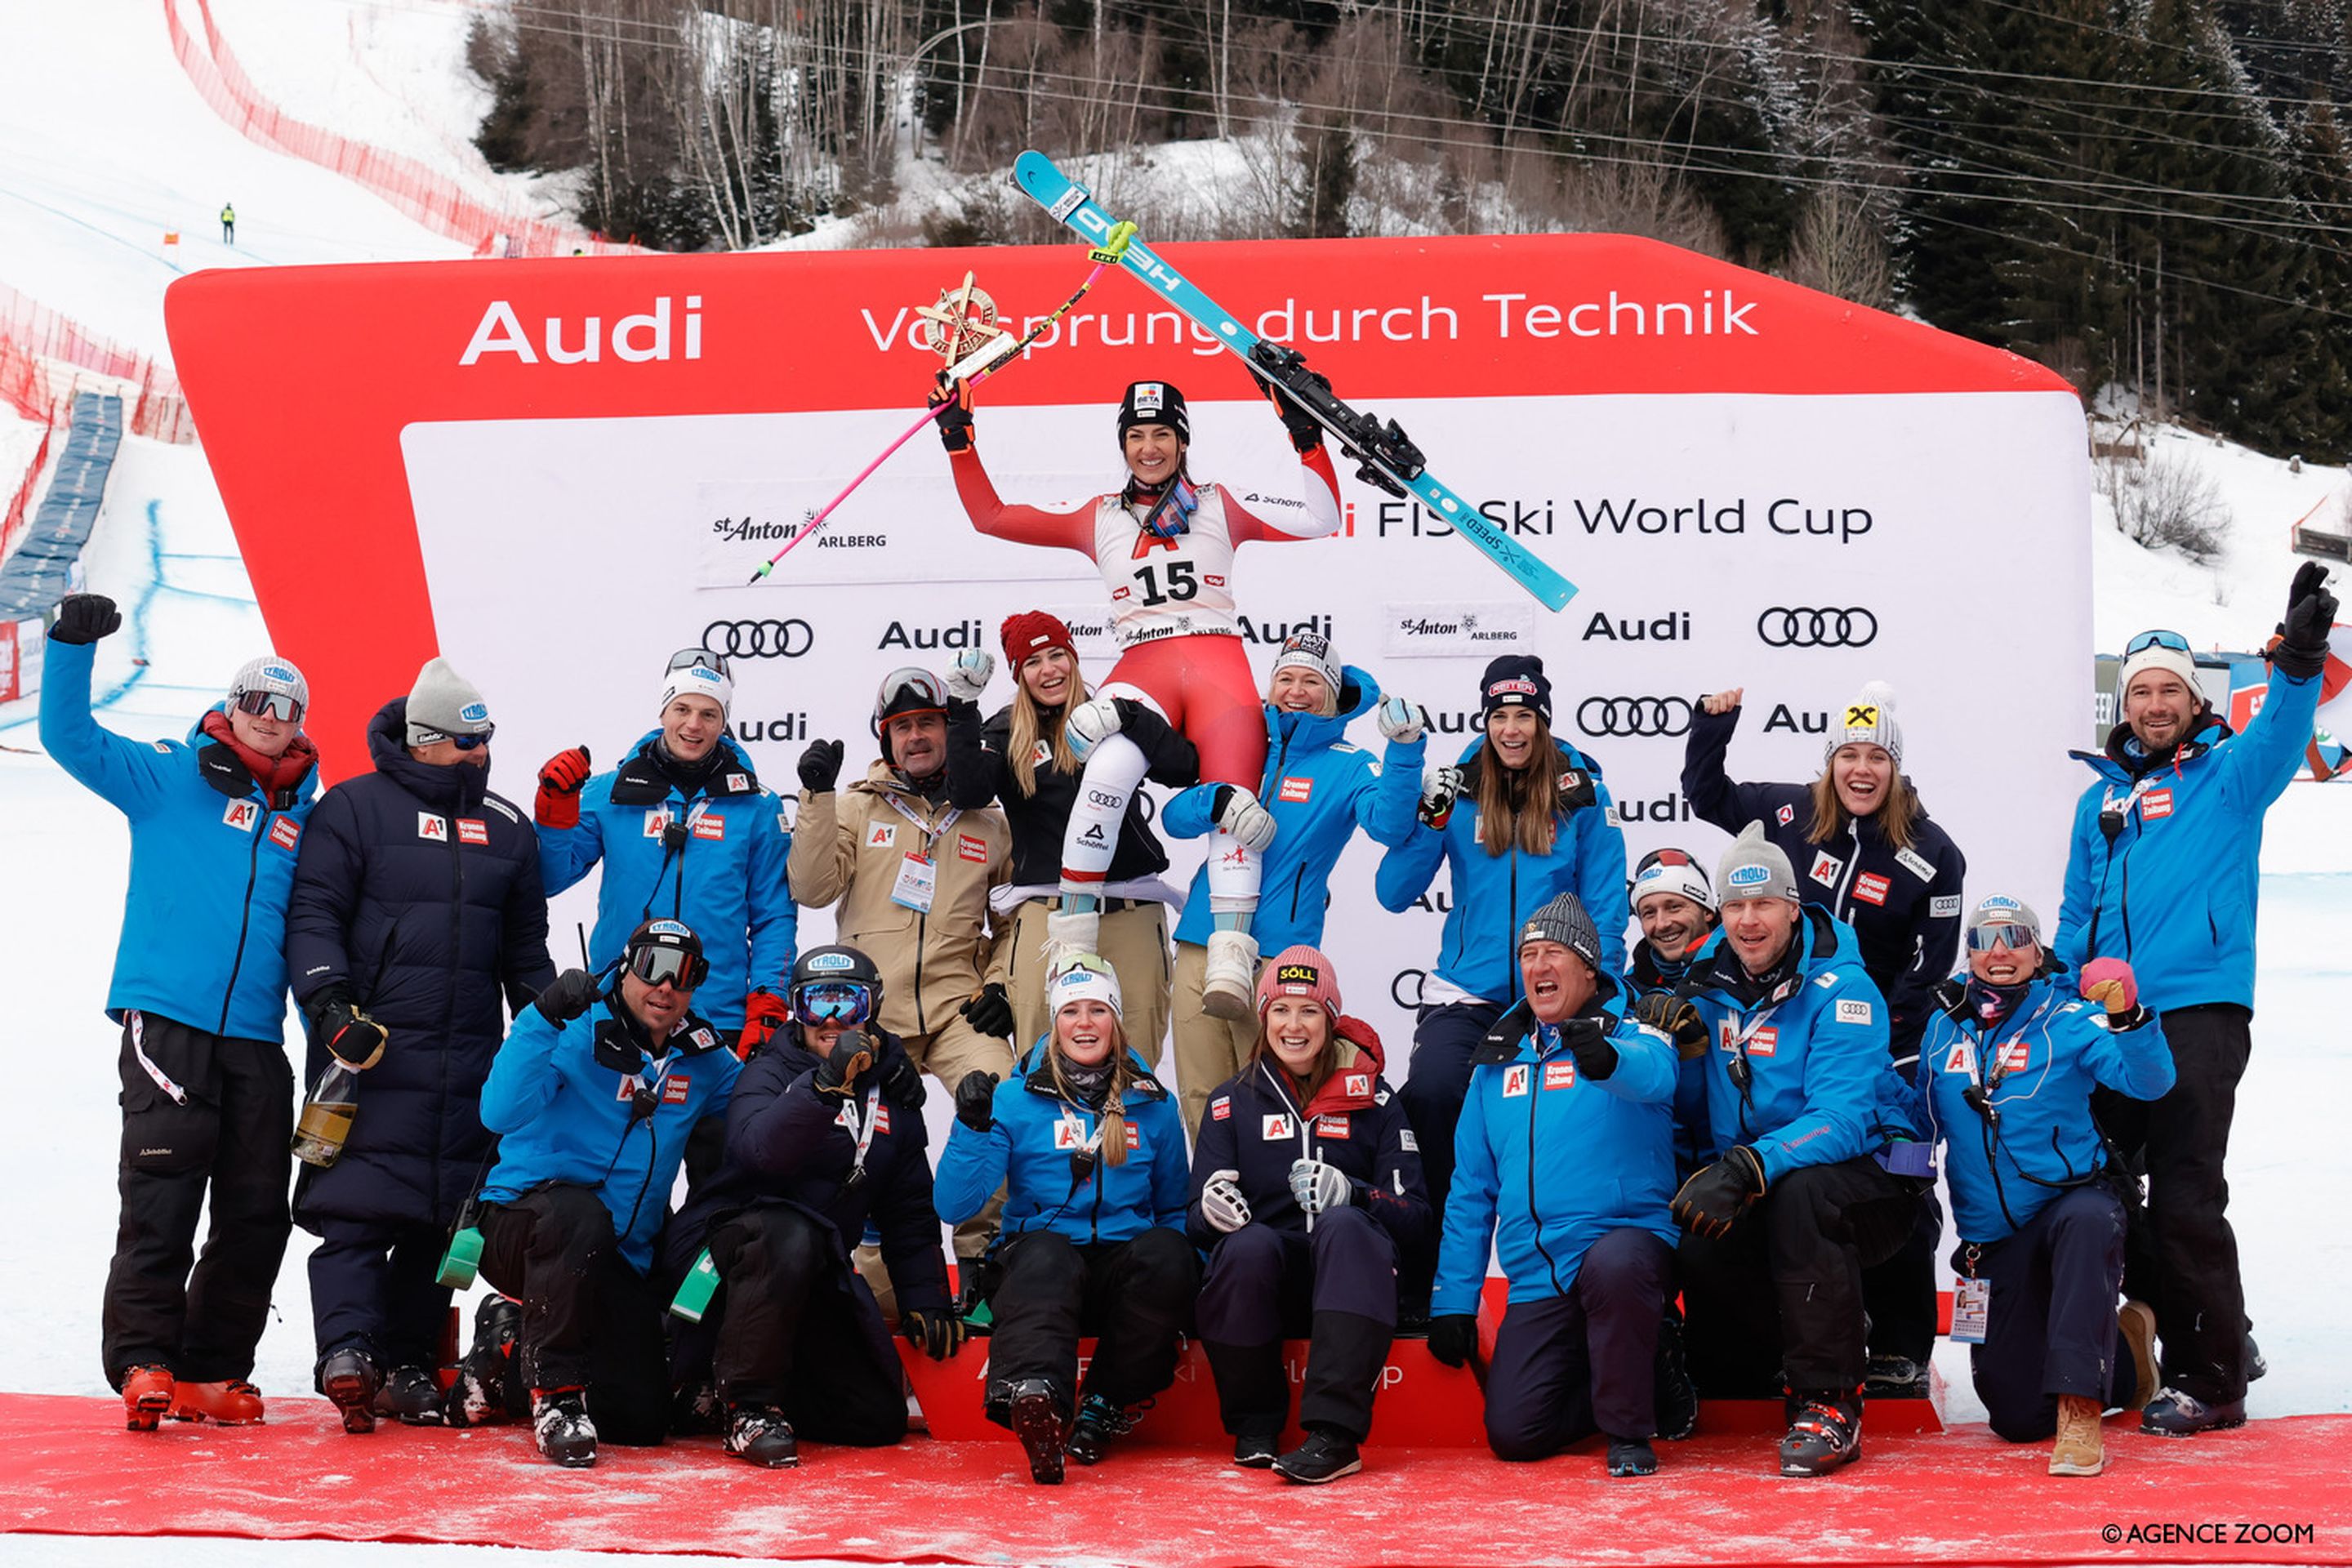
(1165, 546)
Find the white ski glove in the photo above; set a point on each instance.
(1440, 788)
(1221, 1203)
(1239, 813)
(1090, 724)
(1401, 721)
(1317, 1187)
(970, 673)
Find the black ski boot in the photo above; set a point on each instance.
(411, 1395)
(1100, 1425)
(1895, 1377)
(485, 1391)
(1825, 1435)
(761, 1434)
(1326, 1456)
(1677, 1394)
(1632, 1457)
(1035, 1411)
(348, 1378)
(559, 1419)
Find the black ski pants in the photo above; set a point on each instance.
(1337, 1284)
(1134, 1296)
(1782, 1292)
(372, 1286)
(219, 1124)
(2050, 1328)
(791, 1333)
(1900, 1293)
(2184, 1260)
(589, 1321)
(1569, 1367)
(1436, 1082)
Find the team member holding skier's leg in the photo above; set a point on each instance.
(199, 988)
(1305, 1184)
(2007, 1067)
(1873, 856)
(1030, 767)
(824, 1135)
(592, 1096)
(1541, 825)
(1090, 1152)
(1165, 547)
(1318, 789)
(1565, 1142)
(2162, 875)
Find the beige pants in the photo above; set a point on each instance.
(1134, 942)
(1209, 1051)
(948, 1054)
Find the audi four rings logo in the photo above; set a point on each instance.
(759, 640)
(1807, 628)
(1633, 715)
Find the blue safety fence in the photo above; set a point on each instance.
(39, 572)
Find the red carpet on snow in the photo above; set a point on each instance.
(66, 1467)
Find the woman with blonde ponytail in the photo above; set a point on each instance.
(1089, 1149)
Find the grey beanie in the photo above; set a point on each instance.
(1309, 650)
(1563, 920)
(1868, 721)
(1754, 867)
(272, 674)
(443, 703)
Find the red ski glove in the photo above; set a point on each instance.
(560, 781)
(763, 1015)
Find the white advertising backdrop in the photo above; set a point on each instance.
(1943, 537)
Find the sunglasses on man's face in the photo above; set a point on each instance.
(277, 704)
(463, 742)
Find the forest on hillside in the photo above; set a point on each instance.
(2154, 195)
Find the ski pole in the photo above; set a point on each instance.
(1104, 257)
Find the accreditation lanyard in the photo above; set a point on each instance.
(925, 829)
(918, 883)
(862, 1129)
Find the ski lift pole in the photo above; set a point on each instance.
(998, 351)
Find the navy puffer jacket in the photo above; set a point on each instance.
(419, 891)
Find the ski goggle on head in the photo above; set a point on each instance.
(2173, 641)
(279, 706)
(833, 1002)
(699, 657)
(2002, 933)
(671, 967)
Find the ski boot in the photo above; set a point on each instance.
(759, 1434)
(479, 1396)
(146, 1396)
(410, 1395)
(232, 1402)
(2172, 1413)
(1034, 1411)
(559, 1420)
(1229, 985)
(1826, 1436)
(1101, 1424)
(1895, 1377)
(348, 1378)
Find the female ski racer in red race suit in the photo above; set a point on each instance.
(1165, 546)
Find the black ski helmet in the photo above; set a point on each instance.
(910, 689)
(657, 937)
(835, 964)
(1154, 403)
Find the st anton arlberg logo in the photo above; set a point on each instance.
(748, 530)
(1629, 515)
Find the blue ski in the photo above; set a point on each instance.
(1388, 458)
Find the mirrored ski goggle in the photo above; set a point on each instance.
(699, 659)
(279, 706)
(833, 1002)
(670, 966)
(2173, 641)
(2002, 933)
(463, 742)
(911, 682)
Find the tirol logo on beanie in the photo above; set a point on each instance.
(1154, 403)
(1755, 868)
(1514, 679)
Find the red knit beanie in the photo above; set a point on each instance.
(1032, 631)
(1298, 971)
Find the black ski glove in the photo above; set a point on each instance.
(938, 1334)
(851, 1055)
(990, 1012)
(976, 1100)
(953, 400)
(85, 618)
(1675, 1017)
(902, 1083)
(2302, 651)
(350, 1036)
(1714, 1199)
(820, 766)
(1588, 1041)
(1305, 431)
(567, 996)
(1452, 1338)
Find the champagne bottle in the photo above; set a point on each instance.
(326, 1118)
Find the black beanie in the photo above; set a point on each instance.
(1513, 677)
(1154, 403)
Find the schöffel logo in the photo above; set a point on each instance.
(1633, 715)
(759, 640)
(1807, 628)
(1297, 975)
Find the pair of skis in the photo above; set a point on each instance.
(1385, 456)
